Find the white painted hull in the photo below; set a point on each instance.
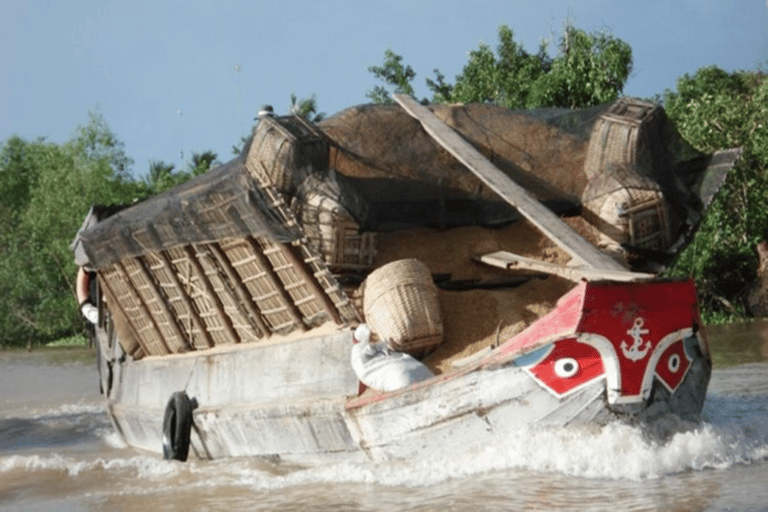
(296, 401)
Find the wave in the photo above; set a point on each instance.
(66, 425)
(616, 452)
(734, 431)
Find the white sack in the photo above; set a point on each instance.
(380, 368)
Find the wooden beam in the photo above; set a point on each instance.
(511, 261)
(528, 206)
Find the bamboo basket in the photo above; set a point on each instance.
(629, 213)
(284, 151)
(335, 233)
(400, 305)
(620, 198)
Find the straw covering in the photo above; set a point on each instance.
(256, 247)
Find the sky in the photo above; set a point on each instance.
(173, 77)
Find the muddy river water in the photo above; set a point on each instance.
(58, 451)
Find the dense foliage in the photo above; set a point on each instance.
(47, 190)
(589, 69)
(714, 110)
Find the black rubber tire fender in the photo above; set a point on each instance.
(177, 427)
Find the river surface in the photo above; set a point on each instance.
(58, 451)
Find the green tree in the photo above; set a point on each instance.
(162, 176)
(21, 164)
(306, 108)
(159, 177)
(55, 186)
(201, 162)
(589, 69)
(394, 73)
(507, 79)
(715, 110)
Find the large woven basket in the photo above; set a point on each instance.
(400, 305)
(335, 233)
(284, 151)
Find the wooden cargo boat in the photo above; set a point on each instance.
(226, 309)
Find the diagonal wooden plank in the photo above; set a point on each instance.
(511, 261)
(528, 206)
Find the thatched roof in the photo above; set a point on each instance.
(225, 202)
(394, 175)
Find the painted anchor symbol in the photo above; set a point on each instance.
(636, 352)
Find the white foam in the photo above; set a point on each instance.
(735, 432)
(112, 438)
(616, 451)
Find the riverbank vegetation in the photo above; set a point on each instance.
(48, 188)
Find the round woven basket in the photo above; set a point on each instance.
(400, 305)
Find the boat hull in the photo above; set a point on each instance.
(299, 400)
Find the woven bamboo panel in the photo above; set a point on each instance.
(310, 255)
(203, 302)
(632, 215)
(620, 198)
(294, 282)
(146, 290)
(401, 306)
(648, 222)
(136, 314)
(348, 248)
(270, 158)
(610, 143)
(257, 279)
(117, 322)
(226, 295)
(347, 311)
(175, 298)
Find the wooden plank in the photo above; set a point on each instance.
(509, 261)
(543, 218)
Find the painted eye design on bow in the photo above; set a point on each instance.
(564, 366)
(672, 366)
